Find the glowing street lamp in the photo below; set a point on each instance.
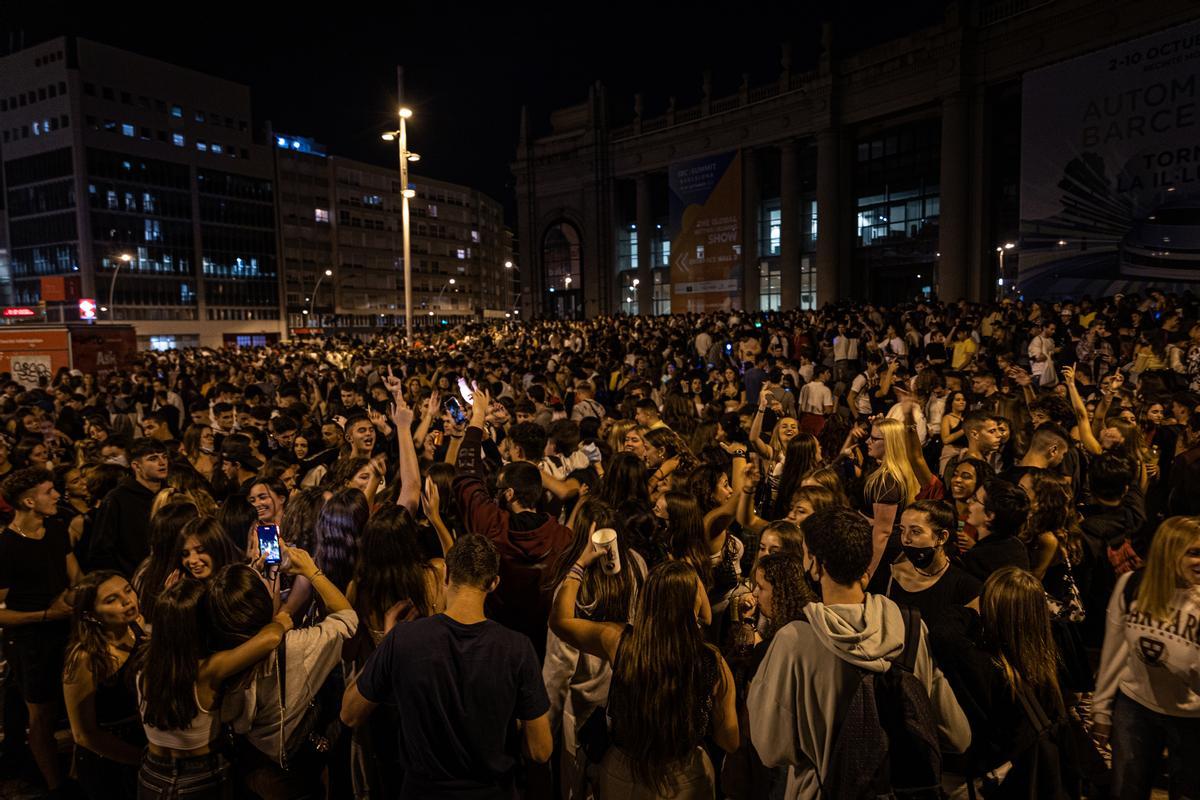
(406, 194)
(124, 258)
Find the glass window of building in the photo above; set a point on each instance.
(662, 292)
(770, 286)
(127, 129)
(177, 139)
(770, 227)
(177, 111)
(321, 214)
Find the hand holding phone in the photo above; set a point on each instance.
(268, 543)
(465, 391)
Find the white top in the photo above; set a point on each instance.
(1156, 664)
(312, 653)
(199, 733)
(815, 398)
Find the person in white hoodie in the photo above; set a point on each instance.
(1148, 686)
(794, 696)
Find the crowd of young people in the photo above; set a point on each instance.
(976, 520)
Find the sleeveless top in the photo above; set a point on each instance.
(199, 733)
(710, 674)
(115, 700)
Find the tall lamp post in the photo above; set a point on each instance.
(312, 300)
(124, 258)
(1002, 250)
(406, 193)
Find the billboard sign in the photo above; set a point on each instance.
(1110, 169)
(706, 223)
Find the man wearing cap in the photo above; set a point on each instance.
(120, 535)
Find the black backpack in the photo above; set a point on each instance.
(886, 742)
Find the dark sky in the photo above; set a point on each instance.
(329, 70)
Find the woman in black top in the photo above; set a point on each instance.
(106, 628)
(924, 577)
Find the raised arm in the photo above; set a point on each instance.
(757, 425)
(427, 417)
(915, 453)
(409, 495)
(599, 639)
(1086, 437)
(299, 562)
(717, 520)
(432, 502)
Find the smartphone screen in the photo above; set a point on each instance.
(268, 543)
(465, 391)
(456, 412)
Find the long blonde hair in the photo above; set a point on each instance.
(1161, 578)
(895, 462)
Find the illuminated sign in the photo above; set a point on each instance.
(87, 308)
(20, 311)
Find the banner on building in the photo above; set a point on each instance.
(1110, 169)
(706, 228)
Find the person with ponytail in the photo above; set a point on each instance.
(179, 688)
(106, 630)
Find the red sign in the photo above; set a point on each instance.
(20, 311)
(54, 290)
(87, 308)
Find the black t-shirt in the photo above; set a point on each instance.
(456, 689)
(34, 571)
(956, 587)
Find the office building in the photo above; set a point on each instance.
(343, 217)
(139, 185)
(909, 169)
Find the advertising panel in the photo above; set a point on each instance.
(1110, 169)
(706, 226)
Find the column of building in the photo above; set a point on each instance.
(751, 198)
(645, 232)
(954, 212)
(828, 216)
(789, 244)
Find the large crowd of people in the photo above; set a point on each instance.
(929, 550)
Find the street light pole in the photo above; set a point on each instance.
(312, 300)
(406, 194)
(441, 292)
(124, 258)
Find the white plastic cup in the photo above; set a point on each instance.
(605, 541)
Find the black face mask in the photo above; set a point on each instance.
(921, 557)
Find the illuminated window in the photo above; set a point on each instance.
(202, 146)
(127, 130)
(177, 111)
(321, 214)
(177, 139)
(216, 148)
(475, 236)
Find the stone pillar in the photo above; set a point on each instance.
(645, 232)
(952, 224)
(789, 245)
(829, 218)
(751, 198)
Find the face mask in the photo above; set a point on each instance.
(921, 557)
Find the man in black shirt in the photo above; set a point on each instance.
(36, 568)
(458, 682)
(998, 510)
(120, 536)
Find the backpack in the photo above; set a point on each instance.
(886, 744)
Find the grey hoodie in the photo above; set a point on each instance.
(796, 694)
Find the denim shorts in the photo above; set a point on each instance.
(207, 777)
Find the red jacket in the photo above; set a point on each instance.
(529, 542)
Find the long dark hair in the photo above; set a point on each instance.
(390, 567)
(686, 540)
(703, 482)
(236, 515)
(300, 515)
(164, 553)
(660, 683)
(602, 597)
(624, 479)
(1016, 629)
(239, 606)
(339, 525)
(88, 648)
(212, 537)
(169, 666)
(799, 460)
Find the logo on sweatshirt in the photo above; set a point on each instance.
(1151, 650)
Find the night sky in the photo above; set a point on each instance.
(329, 71)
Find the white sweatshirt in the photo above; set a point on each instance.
(1152, 662)
(794, 695)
